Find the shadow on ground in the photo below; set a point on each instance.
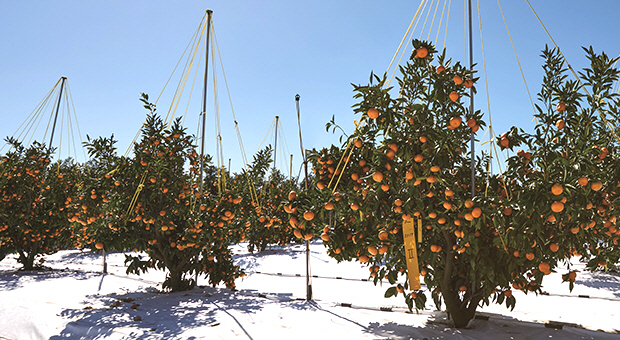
(164, 316)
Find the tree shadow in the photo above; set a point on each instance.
(165, 316)
(14, 279)
(608, 281)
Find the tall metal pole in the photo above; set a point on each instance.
(62, 85)
(305, 160)
(471, 104)
(275, 148)
(204, 102)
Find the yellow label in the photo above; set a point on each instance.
(420, 230)
(411, 253)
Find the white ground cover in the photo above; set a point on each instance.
(75, 301)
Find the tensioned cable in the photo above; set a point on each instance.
(516, 56)
(573, 71)
(445, 36)
(441, 20)
(32, 117)
(430, 28)
(415, 21)
(426, 18)
(238, 131)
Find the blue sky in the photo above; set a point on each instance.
(111, 51)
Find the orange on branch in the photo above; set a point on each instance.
(373, 113)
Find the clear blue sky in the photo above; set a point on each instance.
(111, 51)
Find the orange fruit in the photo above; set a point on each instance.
(554, 247)
(373, 113)
(583, 181)
(363, 259)
(468, 83)
(418, 158)
(354, 206)
(557, 206)
(507, 211)
(560, 107)
(440, 68)
(435, 248)
(292, 195)
(471, 122)
(308, 215)
(377, 176)
(596, 186)
(455, 122)
(329, 206)
(422, 139)
(358, 143)
(457, 80)
(99, 245)
(431, 179)
(469, 203)
(529, 256)
(557, 189)
(560, 124)
(476, 212)
(421, 52)
(373, 250)
(398, 202)
(504, 142)
(454, 96)
(463, 288)
(297, 233)
(544, 267)
(383, 235)
(508, 293)
(325, 237)
(435, 168)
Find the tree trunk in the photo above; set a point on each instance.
(461, 311)
(27, 259)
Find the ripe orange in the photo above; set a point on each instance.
(544, 267)
(383, 235)
(505, 142)
(358, 143)
(554, 247)
(529, 256)
(468, 83)
(561, 107)
(325, 237)
(422, 139)
(363, 259)
(431, 179)
(596, 186)
(469, 203)
(476, 212)
(297, 233)
(435, 248)
(308, 215)
(320, 185)
(560, 124)
(421, 52)
(583, 181)
(557, 206)
(354, 206)
(463, 288)
(377, 176)
(418, 158)
(440, 68)
(455, 122)
(471, 122)
(507, 211)
(329, 206)
(435, 168)
(557, 189)
(508, 293)
(99, 245)
(292, 195)
(385, 187)
(398, 202)
(373, 250)
(373, 113)
(454, 96)
(457, 80)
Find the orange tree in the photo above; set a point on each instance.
(159, 208)
(33, 191)
(562, 194)
(410, 159)
(264, 220)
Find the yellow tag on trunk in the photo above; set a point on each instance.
(411, 252)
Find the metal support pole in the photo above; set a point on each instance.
(275, 147)
(204, 102)
(471, 104)
(105, 264)
(305, 160)
(62, 85)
